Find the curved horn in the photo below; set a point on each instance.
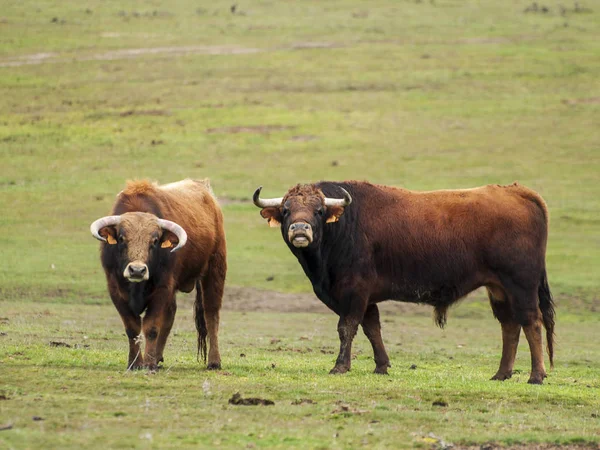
(339, 201)
(265, 202)
(176, 230)
(101, 223)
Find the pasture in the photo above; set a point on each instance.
(420, 94)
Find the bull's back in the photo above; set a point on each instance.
(430, 243)
(195, 206)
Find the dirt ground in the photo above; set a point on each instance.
(250, 299)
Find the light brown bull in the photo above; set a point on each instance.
(159, 240)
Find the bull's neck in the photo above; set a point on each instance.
(138, 297)
(314, 263)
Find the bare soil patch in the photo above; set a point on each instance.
(246, 299)
(130, 53)
(577, 101)
(260, 129)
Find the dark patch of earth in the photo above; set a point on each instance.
(248, 299)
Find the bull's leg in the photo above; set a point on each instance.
(533, 333)
(510, 342)
(212, 286)
(133, 326)
(527, 314)
(161, 341)
(347, 328)
(157, 324)
(510, 333)
(372, 328)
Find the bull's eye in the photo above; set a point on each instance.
(154, 242)
(320, 211)
(285, 211)
(121, 239)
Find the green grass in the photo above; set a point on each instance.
(85, 396)
(416, 94)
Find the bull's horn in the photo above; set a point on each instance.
(106, 221)
(265, 202)
(339, 201)
(176, 230)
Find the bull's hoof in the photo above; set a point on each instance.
(338, 370)
(137, 364)
(501, 376)
(214, 366)
(152, 368)
(382, 368)
(536, 378)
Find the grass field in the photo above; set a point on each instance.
(420, 94)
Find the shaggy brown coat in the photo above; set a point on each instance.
(200, 263)
(424, 247)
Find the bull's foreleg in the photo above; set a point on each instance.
(161, 341)
(347, 328)
(157, 325)
(132, 323)
(212, 287)
(372, 328)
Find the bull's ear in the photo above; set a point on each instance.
(109, 233)
(168, 240)
(272, 215)
(334, 213)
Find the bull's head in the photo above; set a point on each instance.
(139, 237)
(302, 213)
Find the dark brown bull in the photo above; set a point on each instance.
(158, 240)
(360, 244)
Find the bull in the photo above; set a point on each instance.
(360, 244)
(157, 241)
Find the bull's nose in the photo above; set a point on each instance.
(299, 226)
(137, 271)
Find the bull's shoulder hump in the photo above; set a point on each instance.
(138, 187)
(189, 185)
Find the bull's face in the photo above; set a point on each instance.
(302, 213)
(139, 238)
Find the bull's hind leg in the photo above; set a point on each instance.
(527, 313)
(372, 328)
(510, 332)
(532, 326)
(212, 286)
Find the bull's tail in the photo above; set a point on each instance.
(547, 309)
(200, 322)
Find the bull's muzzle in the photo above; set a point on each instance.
(300, 234)
(136, 272)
